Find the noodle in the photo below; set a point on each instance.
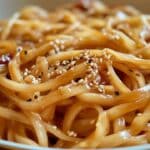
(77, 77)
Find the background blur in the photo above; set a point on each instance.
(8, 7)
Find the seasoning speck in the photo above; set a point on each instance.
(25, 52)
(130, 70)
(29, 100)
(137, 74)
(35, 96)
(117, 93)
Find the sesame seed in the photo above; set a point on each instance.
(101, 60)
(35, 96)
(73, 82)
(34, 80)
(29, 100)
(130, 70)
(72, 133)
(137, 74)
(81, 81)
(64, 62)
(108, 73)
(117, 93)
(25, 52)
(91, 84)
(92, 121)
(33, 66)
(139, 114)
(57, 63)
(54, 127)
(77, 79)
(19, 49)
(26, 72)
(87, 86)
(57, 41)
(101, 88)
(71, 68)
(8, 76)
(5, 58)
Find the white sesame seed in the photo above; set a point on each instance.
(108, 73)
(54, 127)
(19, 48)
(72, 133)
(5, 57)
(92, 121)
(26, 72)
(73, 82)
(139, 114)
(101, 60)
(81, 81)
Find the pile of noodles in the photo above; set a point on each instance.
(77, 77)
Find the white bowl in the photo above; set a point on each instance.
(8, 7)
(12, 145)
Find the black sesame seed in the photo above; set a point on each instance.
(25, 52)
(19, 49)
(117, 93)
(29, 100)
(90, 61)
(8, 76)
(35, 96)
(137, 74)
(130, 70)
(77, 79)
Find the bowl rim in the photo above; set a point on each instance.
(8, 144)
